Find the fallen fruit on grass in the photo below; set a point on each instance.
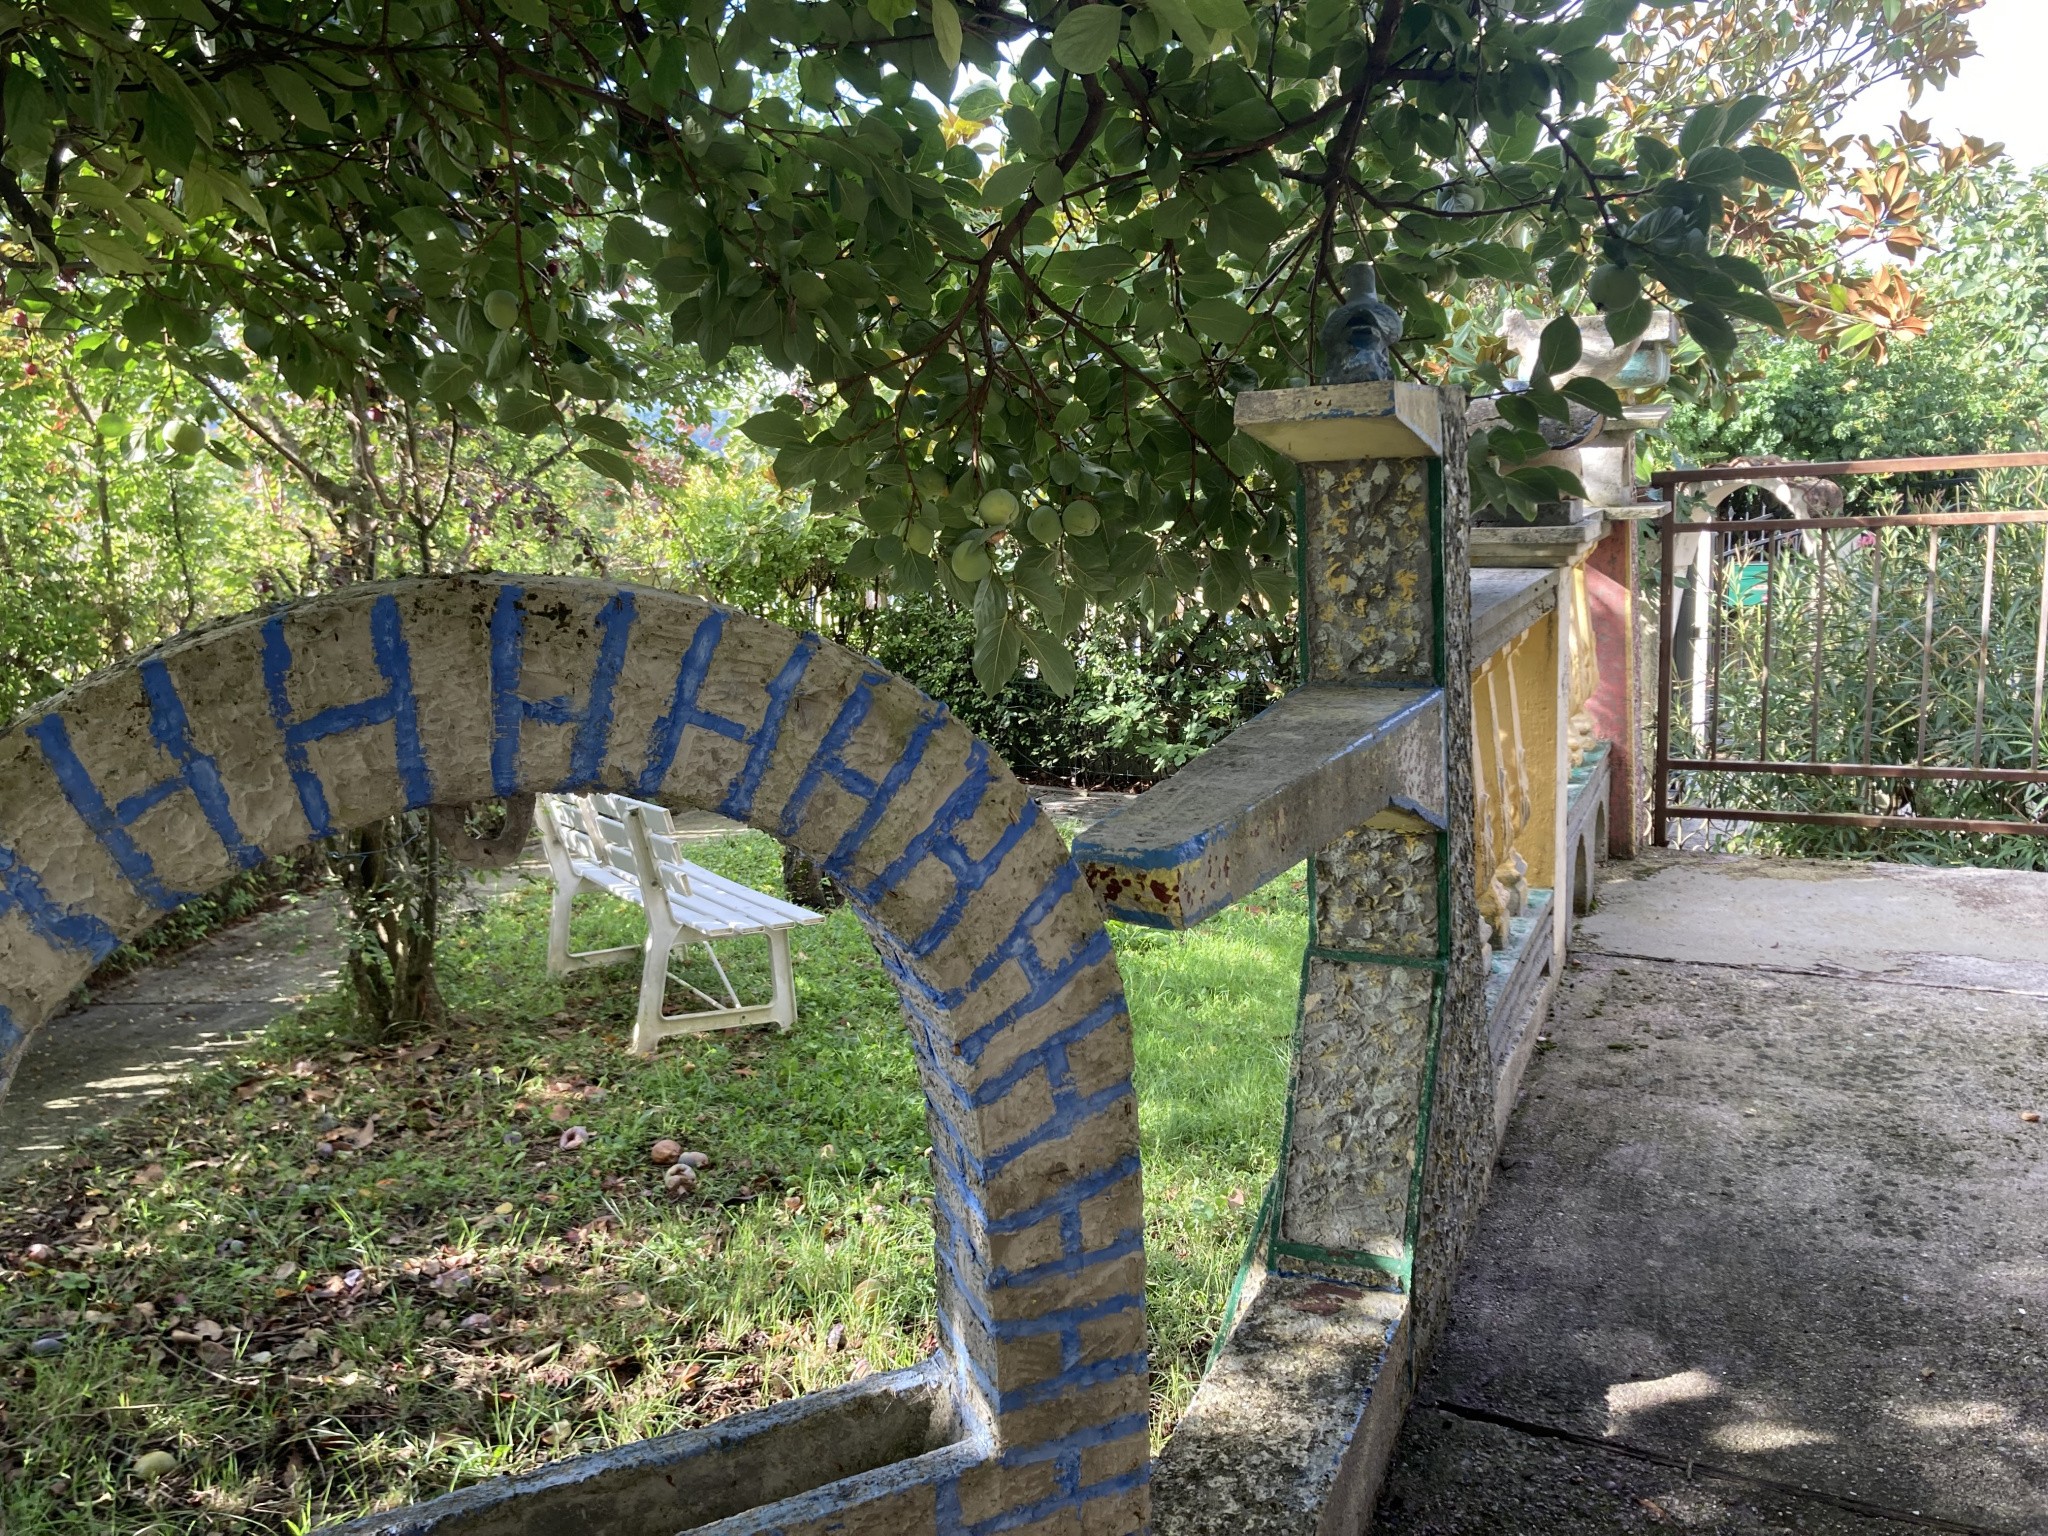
(695, 1159)
(573, 1138)
(40, 1253)
(664, 1152)
(151, 1465)
(681, 1179)
(49, 1344)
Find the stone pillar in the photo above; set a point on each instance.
(1390, 1114)
(1391, 981)
(1616, 706)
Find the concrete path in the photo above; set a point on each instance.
(1767, 1250)
(143, 1033)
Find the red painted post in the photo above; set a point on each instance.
(1616, 706)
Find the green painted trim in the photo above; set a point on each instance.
(1439, 641)
(1244, 1273)
(1301, 659)
(1402, 1268)
(1425, 1113)
(1367, 957)
(1279, 1185)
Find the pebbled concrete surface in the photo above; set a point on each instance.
(1784, 1223)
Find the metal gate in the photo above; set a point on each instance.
(1883, 672)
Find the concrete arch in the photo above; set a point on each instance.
(259, 735)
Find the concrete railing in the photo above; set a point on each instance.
(1425, 769)
(1440, 770)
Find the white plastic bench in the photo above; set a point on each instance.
(624, 848)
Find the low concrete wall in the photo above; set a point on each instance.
(260, 735)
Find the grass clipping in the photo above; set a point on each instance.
(325, 1280)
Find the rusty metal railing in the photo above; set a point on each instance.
(1907, 653)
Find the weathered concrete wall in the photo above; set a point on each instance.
(1615, 706)
(156, 780)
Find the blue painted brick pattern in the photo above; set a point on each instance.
(999, 954)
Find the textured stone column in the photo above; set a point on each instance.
(1392, 1007)
(1390, 1112)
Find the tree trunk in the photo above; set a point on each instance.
(391, 876)
(807, 884)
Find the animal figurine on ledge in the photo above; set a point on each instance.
(1356, 338)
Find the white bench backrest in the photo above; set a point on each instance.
(599, 829)
(659, 847)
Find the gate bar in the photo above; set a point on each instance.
(1839, 468)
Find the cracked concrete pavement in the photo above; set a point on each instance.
(1767, 1250)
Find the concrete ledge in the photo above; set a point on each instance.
(1329, 423)
(1322, 761)
(884, 1433)
(1505, 602)
(1291, 1432)
(1534, 545)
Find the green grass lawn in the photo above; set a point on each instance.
(331, 1279)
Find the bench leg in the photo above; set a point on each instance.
(558, 928)
(655, 1023)
(647, 1025)
(784, 1000)
(561, 958)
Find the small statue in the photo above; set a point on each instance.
(1359, 331)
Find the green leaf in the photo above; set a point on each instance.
(113, 255)
(1716, 167)
(1710, 328)
(296, 94)
(1550, 482)
(1745, 272)
(1561, 347)
(775, 429)
(1220, 320)
(1055, 661)
(1758, 307)
(1701, 129)
(1594, 395)
(980, 104)
(1007, 183)
(610, 465)
(998, 646)
(946, 32)
(1086, 38)
(1486, 259)
(606, 429)
(1656, 158)
(1742, 116)
(1769, 167)
(1193, 35)
(525, 413)
(1629, 321)
(533, 12)
(1221, 15)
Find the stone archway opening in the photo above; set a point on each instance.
(148, 784)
